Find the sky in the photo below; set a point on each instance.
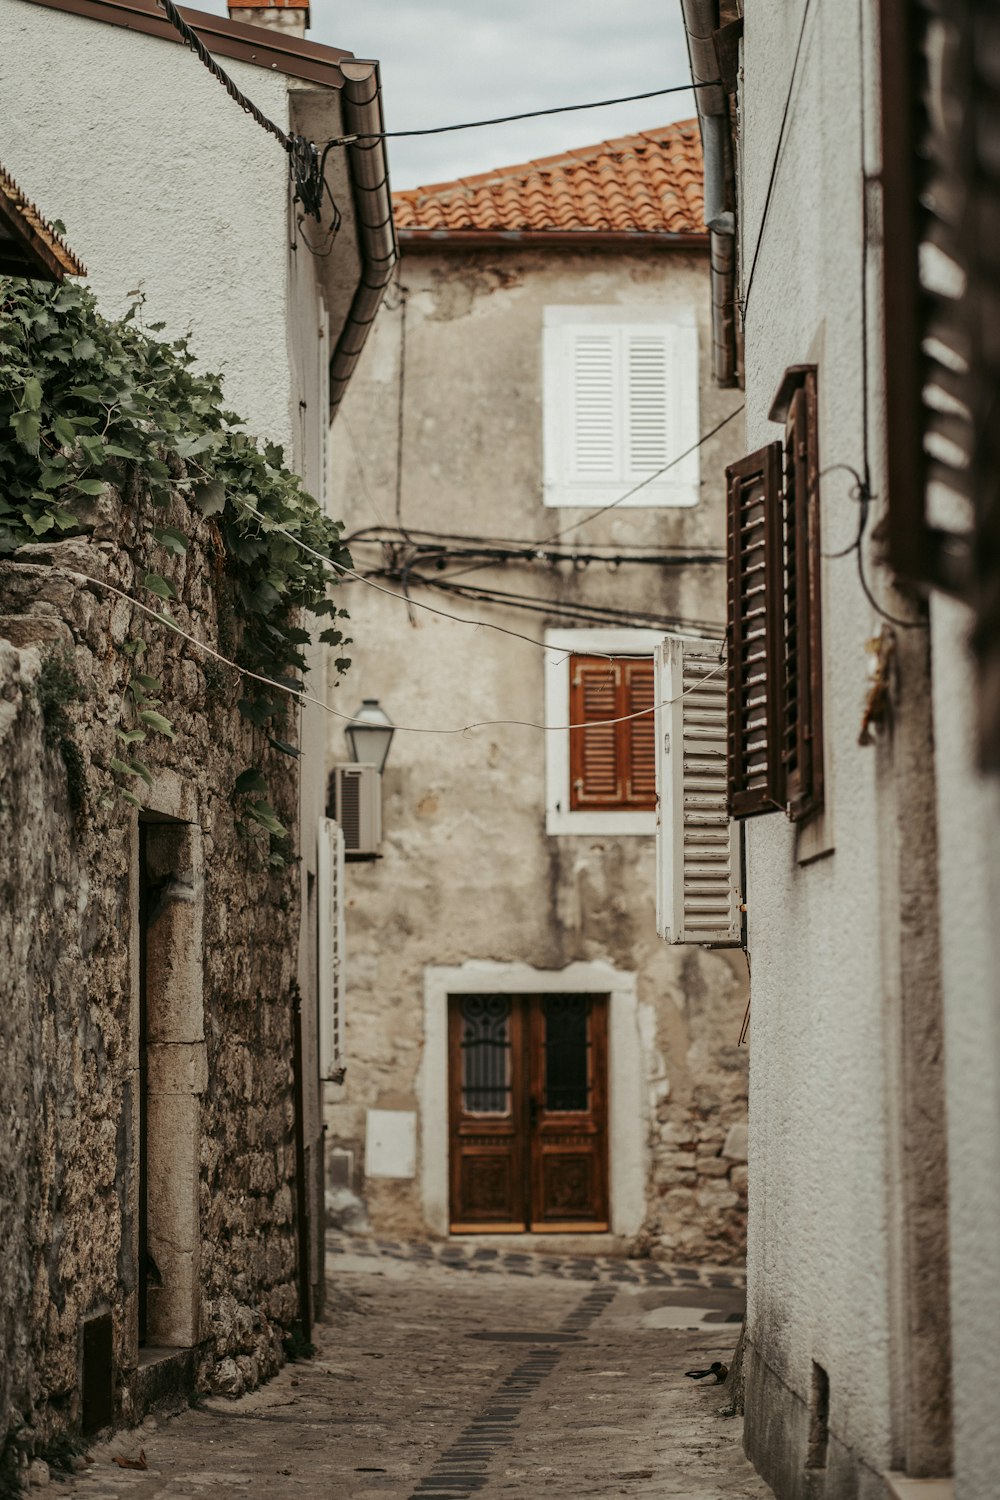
(453, 60)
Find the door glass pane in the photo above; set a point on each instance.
(486, 1054)
(567, 1052)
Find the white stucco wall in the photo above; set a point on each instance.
(163, 183)
(827, 1232)
(969, 837)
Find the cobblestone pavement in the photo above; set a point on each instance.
(562, 1380)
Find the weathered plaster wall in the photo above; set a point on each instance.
(164, 184)
(468, 872)
(69, 974)
(847, 1252)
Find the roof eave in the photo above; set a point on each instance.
(550, 239)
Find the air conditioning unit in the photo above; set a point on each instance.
(355, 801)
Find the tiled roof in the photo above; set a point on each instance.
(29, 245)
(646, 183)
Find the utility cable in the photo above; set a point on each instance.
(592, 515)
(300, 696)
(303, 157)
(531, 114)
(777, 157)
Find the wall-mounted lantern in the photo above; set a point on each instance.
(369, 737)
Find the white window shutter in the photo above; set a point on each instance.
(647, 414)
(330, 901)
(699, 897)
(595, 435)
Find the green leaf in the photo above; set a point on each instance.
(86, 392)
(158, 722)
(159, 586)
(118, 766)
(210, 498)
(257, 710)
(284, 747)
(64, 431)
(264, 814)
(84, 348)
(134, 647)
(27, 426)
(171, 538)
(331, 637)
(148, 684)
(89, 486)
(31, 394)
(130, 798)
(140, 768)
(342, 663)
(131, 736)
(250, 781)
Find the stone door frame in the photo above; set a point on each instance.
(627, 1102)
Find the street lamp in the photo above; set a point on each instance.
(370, 736)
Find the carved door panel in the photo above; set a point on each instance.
(528, 1106)
(567, 1050)
(488, 1108)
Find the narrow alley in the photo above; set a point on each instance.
(458, 1372)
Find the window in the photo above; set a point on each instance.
(602, 778)
(621, 402)
(611, 761)
(775, 681)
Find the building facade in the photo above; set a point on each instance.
(523, 1054)
(162, 958)
(847, 145)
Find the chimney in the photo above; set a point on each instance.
(290, 17)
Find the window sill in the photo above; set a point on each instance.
(605, 824)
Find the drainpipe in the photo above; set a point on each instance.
(369, 169)
(701, 20)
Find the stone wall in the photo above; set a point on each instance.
(223, 941)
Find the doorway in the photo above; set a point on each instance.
(528, 1112)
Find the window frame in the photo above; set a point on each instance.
(562, 645)
(679, 488)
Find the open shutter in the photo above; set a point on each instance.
(699, 896)
(755, 630)
(802, 705)
(594, 769)
(330, 900)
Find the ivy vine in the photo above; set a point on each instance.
(86, 401)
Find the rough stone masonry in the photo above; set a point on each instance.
(146, 1030)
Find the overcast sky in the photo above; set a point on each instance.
(451, 60)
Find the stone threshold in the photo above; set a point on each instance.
(901, 1487)
(162, 1376)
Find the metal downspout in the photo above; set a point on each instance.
(700, 23)
(369, 169)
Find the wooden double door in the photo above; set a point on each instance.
(528, 1106)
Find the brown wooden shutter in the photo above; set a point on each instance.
(755, 631)
(612, 765)
(940, 209)
(802, 688)
(594, 770)
(639, 735)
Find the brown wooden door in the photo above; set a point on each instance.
(528, 1108)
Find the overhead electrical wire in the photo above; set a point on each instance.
(300, 696)
(530, 114)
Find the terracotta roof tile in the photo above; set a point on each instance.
(651, 182)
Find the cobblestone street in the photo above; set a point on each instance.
(470, 1372)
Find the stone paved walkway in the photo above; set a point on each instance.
(564, 1381)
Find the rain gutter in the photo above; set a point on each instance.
(369, 169)
(561, 239)
(701, 22)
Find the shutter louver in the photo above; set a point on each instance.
(699, 896)
(594, 770)
(647, 434)
(755, 633)
(330, 913)
(640, 734)
(596, 447)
